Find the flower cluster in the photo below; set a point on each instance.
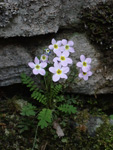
(85, 67)
(63, 45)
(62, 49)
(60, 68)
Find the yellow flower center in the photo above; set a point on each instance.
(84, 73)
(37, 67)
(67, 47)
(44, 57)
(59, 71)
(84, 64)
(62, 58)
(55, 46)
(47, 50)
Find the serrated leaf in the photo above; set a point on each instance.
(67, 108)
(44, 117)
(28, 110)
(56, 90)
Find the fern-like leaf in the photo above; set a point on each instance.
(29, 82)
(56, 90)
(38, 96)
(44, 117)
(28, 110)
(67, 108)
(36, 93)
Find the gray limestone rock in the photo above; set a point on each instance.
(13, 61)
(92, 124)
(21, 20)
(36, 17)
(16, 53)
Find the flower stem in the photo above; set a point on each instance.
(35, 137)
(45, 83)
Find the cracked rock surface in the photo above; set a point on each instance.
(28, 26)
(36, 17)
(16, 53)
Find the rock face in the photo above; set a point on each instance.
(13, 62)
(16, 56)
(36, 17)
(28, 18)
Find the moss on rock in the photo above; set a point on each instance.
(98, 22)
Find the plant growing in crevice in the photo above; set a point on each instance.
(52, 103)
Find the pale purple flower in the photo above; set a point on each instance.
(67, 46)
(38, 67)
(63, 58)
(85, 75)
(44, 58)
(55, 45)
(59, 72)
(84, 64)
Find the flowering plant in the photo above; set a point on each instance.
(52, 72)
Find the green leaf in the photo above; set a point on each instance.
(64, 140)
(28, 81)
(36, 93)
(111, 117)
(67, 108)
(44, 117)
(38, 96)
(56, 90)
(28, 110)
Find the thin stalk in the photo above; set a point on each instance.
(35, 137)
(45, 83)
(50, 93)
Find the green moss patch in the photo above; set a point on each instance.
(98, 23)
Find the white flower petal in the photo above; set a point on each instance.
(52, 69)
(59, 43)
(57, 65)
(70, 43)
(64, 63)
(65, 53)
(35, 71)
(43, 64)
(65, 69)
(69, 60)
(55, 77)
(82, 58)
(79, 64)
(85, 77)
(58, 52)
(56, 59)
(64, 41)
(88, 60)
(71, 49)
(42, 72)
(53, 41)
(80, 75)
(36, 60)
(89, 73)
(62, 48)
(63, 76)
(31, 64)
(51, 47)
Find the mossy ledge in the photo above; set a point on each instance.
(98, 23)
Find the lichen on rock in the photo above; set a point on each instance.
(7, 12)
